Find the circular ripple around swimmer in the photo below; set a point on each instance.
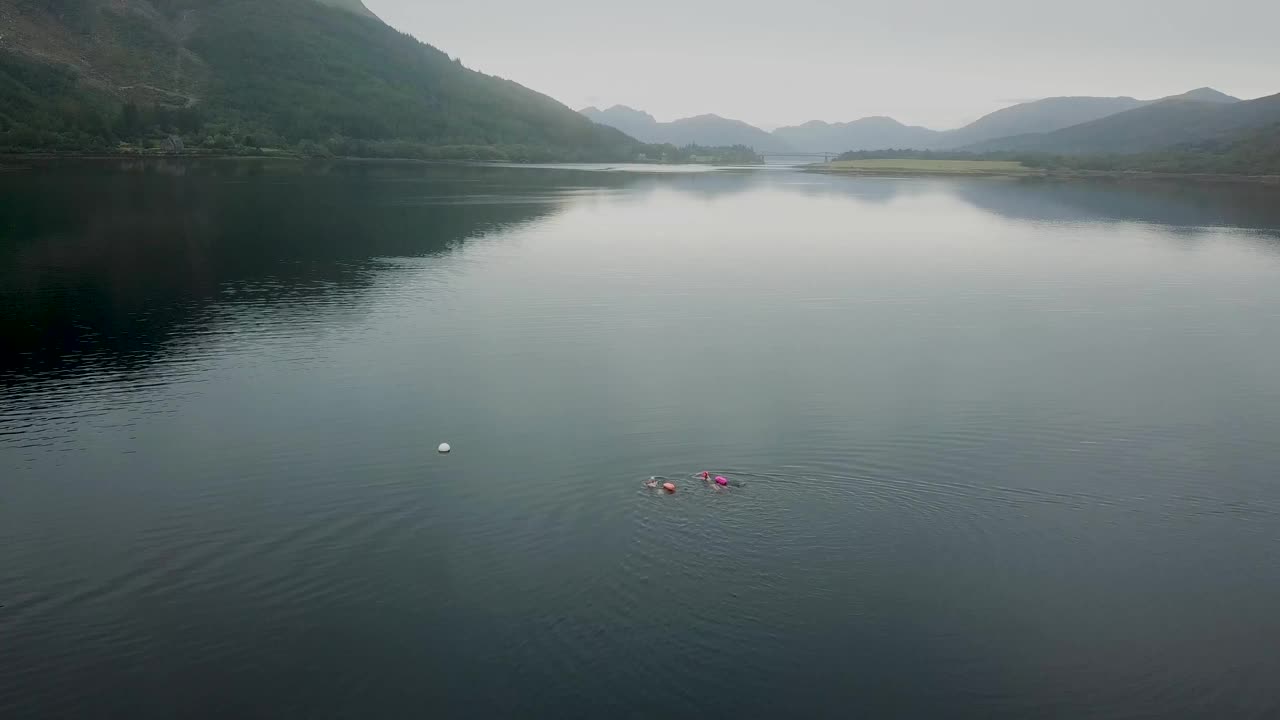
(777, 557)
(757, 544)
(798, 535)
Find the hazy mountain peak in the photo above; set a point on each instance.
(618, 114)
(627, 109)
(876, 132)
(880, 120)
(706, 129)
(1204, 94)
(712, 119)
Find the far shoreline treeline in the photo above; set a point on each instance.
(1255, 153)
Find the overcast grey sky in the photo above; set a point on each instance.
(939, 63)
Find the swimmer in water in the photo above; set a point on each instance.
(651, 482)
(706, 475)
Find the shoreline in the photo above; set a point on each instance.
(1042, 174)
(104, 156)
(818, 168)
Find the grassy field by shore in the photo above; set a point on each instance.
(1012, 168)
(915, 166)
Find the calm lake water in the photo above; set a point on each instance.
(1001, 449)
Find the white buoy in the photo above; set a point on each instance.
(444, 448)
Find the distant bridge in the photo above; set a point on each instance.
(826, 156)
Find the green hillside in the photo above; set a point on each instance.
(1148, 128)
(1037, 116)
(1255, 151)
(244, 74)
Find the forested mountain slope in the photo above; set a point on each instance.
(1158, 125)
(232, 73)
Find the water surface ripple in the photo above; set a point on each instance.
(998, 449)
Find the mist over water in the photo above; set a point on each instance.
(1003, 448)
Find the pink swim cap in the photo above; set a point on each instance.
(721, 481)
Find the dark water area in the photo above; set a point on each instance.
(1001, 448)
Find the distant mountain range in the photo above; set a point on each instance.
(327, 77)
(864, 134)
(1065, 125)
(698, 130)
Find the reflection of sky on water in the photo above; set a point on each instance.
(110, 263)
